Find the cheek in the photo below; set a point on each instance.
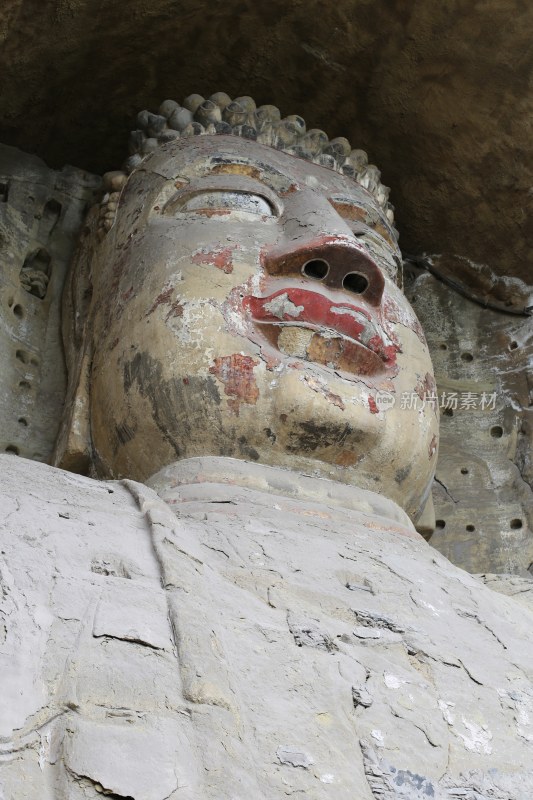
(401, 324)
(413, 361)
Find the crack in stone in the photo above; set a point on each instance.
(97, 786)
(409, 721)
(141, 642)
(371, 620)
(443, 485)
(215, 549)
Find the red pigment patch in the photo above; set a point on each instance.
(433, 446)
(335, 400)
(372, 406)
(176, 310)
(387, 351)
(220, 258)
(347, 459)
(163, 298)
(380, 528)
(302, 305)
(292, 188)
(271, 361)
(237, 374)
(216, 212)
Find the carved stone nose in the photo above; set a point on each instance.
(336, 264)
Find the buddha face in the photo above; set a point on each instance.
(246, 304)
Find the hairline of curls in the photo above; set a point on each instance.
(219, 114)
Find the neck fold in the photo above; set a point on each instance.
(217, 477)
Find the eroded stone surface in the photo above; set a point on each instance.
(292, 645)
(483, 488)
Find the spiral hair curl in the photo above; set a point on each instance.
(219, 114)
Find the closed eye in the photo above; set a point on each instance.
(230, 200)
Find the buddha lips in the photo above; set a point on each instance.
(345, 327)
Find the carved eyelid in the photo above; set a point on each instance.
(223, 183)
(355, 213)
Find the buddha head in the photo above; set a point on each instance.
(240, 295)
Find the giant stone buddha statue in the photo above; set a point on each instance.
(233, 601)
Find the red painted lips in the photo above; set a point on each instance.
(301, 307)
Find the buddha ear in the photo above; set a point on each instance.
(73, 450)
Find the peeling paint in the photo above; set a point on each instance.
(219, 257)
(322, 389)
(236, 372)
(377, 735)
(426, 387)
(392, 681)
(281, 307)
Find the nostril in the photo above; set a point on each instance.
(354, 282)
(316, 269)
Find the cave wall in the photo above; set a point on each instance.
(41, 215)
(483, 487)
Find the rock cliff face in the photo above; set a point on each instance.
(483, 488)
(439, 94)
(41, 215)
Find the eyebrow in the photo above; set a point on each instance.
(263, 171)
(379, 224)
(244, 165)
(236, 168)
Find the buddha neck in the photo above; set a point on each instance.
(219, 479)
